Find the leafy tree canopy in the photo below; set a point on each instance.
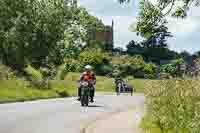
(152, 14)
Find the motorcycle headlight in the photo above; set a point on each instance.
(84, 84)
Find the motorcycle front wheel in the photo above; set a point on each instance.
(84, 97)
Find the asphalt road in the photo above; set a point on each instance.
(61, 115)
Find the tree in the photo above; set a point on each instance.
(88, 22)
(152, 15)
(93, 57)
(150, 52)
(129, 65)
(174, 68)
(134, 48)
(170, 6)
(31, 32)
(152, 26)
(150, 70)
(186, 56)
(41, 32)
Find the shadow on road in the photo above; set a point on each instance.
(95, 106)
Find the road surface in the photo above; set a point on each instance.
(61, 115)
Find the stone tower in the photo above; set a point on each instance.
(74, 3)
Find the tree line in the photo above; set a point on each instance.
(49, 35)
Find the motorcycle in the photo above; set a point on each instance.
(122, 87)
(86, 87)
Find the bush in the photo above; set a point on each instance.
(131, 65)
(93, 57)
(104, 69)
(173, 68)
(36, 78)
(61, 72)
(40, 84)
(6, 73)
(72, 65)
(33, 74)
(150, 70)
(49, 72)
(130, 78)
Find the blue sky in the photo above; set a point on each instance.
(186, 32)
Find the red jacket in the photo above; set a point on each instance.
(87, 76)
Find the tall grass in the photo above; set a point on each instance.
(173, 106)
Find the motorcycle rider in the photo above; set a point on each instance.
(88, 75)
(119, 80)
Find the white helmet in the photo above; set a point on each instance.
(88, 67)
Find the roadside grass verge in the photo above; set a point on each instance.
(103, 84)
(140, 85)
(172, 106)
(107, 84)
(20, 90)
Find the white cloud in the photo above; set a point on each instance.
(189, 43)
(186, 31)
(194, 11)
(187, 25)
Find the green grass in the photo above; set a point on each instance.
(64, 86)
(103, 83)
(149, 126)
(172, 107)
(140, 84)
(107, 84)
(19, 90)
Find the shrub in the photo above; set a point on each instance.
(49, 72)
(6, 73)
(103, 69)
(129, 65)
(150, 70)
(136, 60)
(174, 68)
(40, 84)
(33, 74)
(72, 65)
(93, 57)
(36, 78)
(61, 72)
(130, 78)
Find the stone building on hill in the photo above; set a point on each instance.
(105, 36)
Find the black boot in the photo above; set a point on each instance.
(79, 94)
(92, 95)
(79, 99)
(91, 99)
